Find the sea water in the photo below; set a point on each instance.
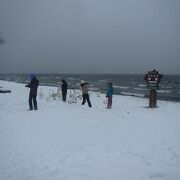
(129, 84)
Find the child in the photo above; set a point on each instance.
(109, 95)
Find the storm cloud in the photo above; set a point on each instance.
(90, 36)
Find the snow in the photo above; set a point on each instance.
(63, 141)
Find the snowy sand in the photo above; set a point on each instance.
(64, 141)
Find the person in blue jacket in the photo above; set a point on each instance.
(33, 85)
(109, 95)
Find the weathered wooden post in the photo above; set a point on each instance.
(153, 79)
(152, 98)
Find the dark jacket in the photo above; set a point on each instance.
(33, 85)
(64, 86)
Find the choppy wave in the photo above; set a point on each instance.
(140, 89)
(121, 87)
(102, 80)
(132, 85)
(71, 78)
(167, 87)
(43, 77)
(164, 91)
(133, 94)
(142, 85)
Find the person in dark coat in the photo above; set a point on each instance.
(109, 95)
(33, 85)
(85, 94)
(64, 87)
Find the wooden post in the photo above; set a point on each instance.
(153, 98)
(153, 79)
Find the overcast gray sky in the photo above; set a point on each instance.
(90, 36)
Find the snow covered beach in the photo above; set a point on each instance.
(64, 141)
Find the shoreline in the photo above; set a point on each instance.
(145, 96)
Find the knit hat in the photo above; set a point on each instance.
(31, 76)
(82, 81)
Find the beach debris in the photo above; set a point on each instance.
(5, 91)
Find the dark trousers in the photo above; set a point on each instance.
(86, 97)
(32, 101)
(109, 104)
(64, 96)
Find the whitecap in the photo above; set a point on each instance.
(71, 78)
(140, 89)
(121, 87)
(102, 80)
(133, 94)
(142, 85)
(163, 91)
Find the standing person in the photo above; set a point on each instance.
(109, 95)
(85, 94)
(33, 85)
(64, 89)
